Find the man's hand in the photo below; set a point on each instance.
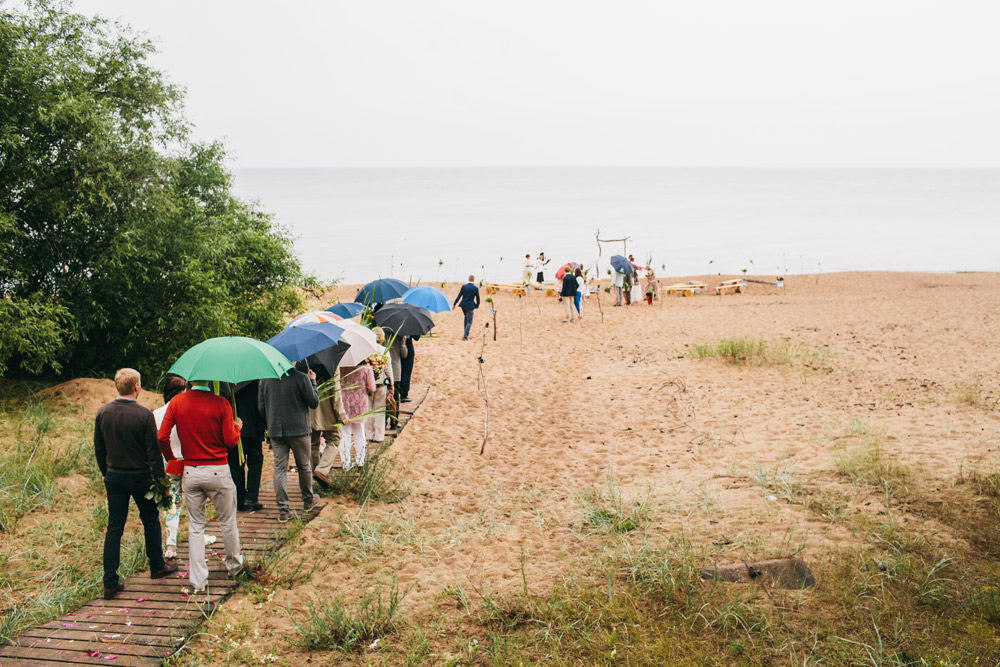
(311, 374)
(238, 422)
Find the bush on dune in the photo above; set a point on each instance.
(123, 241)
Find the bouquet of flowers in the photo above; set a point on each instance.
(159, 492)
(377, 362)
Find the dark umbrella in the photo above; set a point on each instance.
(307, 340)
(381, 290)
(404, 319)
(347, 309)
(621, 264)
(325, 362)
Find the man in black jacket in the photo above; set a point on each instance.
(128, 458)
(468, 301)
(568, 293)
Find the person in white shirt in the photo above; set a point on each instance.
(527, 270)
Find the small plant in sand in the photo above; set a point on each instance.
(380, 479)
(869, 463)
(745, 352)
(328, 622)
(975, 395)
(611, 511)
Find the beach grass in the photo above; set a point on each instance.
(329, 622)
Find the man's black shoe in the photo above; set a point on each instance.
(168, 568)
(252, 506)
(111, 593)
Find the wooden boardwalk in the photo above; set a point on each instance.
(151, 619)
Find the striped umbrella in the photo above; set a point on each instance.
(315, 317)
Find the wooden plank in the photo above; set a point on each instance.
(105, 646)
(123, 636)
(73, 657)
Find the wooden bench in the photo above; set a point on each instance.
(686, 289)
(737, 285)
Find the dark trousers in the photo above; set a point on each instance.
(468, 321)
(406, 370)
(247, 482)
(120, 488)
(627, 288)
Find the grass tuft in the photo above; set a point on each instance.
(746, 352)
(380, 479)
(329, 623)
(610, 511)
(868, 463)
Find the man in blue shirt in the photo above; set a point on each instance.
(468, 295)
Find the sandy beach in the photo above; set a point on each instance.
(570, 404)
(744, 461)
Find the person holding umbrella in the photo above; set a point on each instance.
(468, 301)
(285, 402)
(207, 430)
(325, 420)
(246, 474)
(357, 388)
(568, 294)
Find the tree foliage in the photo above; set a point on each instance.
(122, 241)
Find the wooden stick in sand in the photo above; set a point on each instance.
(486, 390)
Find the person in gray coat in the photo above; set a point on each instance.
(285, 404)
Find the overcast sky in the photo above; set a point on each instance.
(330, 83)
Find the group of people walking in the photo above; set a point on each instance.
(208, 452)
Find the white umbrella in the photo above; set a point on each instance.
(363, 343)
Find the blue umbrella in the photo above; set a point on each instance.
(381, 290)
(427, 297)
(621, 264)
(346, 309)
(306, 339)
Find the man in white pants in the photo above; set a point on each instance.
(206, 429)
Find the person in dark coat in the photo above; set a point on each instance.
(285, 404)
(252, 436)
(568, 294)
(128, 458)
(406, 370)
(468, 301)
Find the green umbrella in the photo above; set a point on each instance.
(231, 359)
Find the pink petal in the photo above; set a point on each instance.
(67, 625)
(110, 656)
(142, 599)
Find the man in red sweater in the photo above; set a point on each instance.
(206, 429)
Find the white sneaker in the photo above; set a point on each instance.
(170, 552)
(210, 539)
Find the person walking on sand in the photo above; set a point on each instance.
(207, 430)
(568, 294)
(468, 301)
(617, 284)
(128, 458)
(651, 286)
(285, 402)
(357, 387)
(581, 292)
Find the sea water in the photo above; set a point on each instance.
(439, 224)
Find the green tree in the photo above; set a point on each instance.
(122, 241)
